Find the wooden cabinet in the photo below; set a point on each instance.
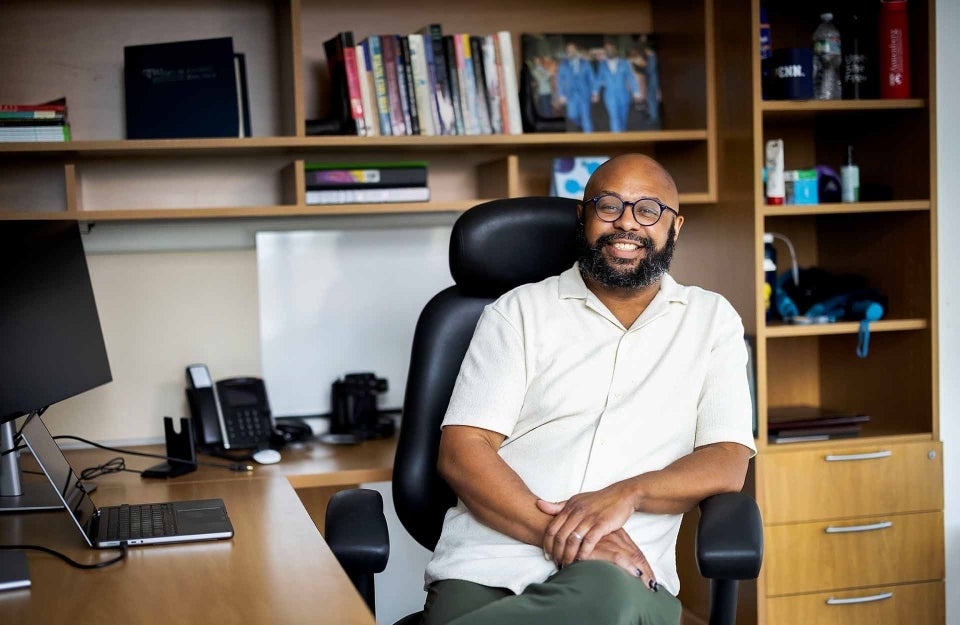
(853, 527)
(101, 176)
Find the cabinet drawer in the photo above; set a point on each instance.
(852, 481)
(813, 557)
(917, 604)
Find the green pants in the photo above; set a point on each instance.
(585, 593)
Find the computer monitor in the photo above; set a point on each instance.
(51, 344)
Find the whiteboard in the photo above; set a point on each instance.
(343, 301)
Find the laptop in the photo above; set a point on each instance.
(144, 524)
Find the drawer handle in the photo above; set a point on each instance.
(868, 599)
(882, 525)
(886, 453)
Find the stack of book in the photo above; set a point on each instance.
(366, 183)
(34, 122)
(795, 424)
(426, 83)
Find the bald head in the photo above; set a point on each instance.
(632, 176)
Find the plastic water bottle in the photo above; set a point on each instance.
(826, 60)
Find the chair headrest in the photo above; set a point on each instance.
(502, 244)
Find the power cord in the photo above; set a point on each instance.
(70, 561)
(234, 466)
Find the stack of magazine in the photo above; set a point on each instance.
(366, 183)
(795, 424)
(34, 122)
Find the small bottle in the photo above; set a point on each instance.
(850, 179)
(769, 274)
(826, 60)
(775, 184)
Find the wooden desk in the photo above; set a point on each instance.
(277, 568)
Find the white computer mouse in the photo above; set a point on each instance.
(267, 456)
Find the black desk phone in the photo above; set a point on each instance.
(231, 414)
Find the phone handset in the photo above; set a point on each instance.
(209, 425)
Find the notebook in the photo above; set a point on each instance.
(133, 524)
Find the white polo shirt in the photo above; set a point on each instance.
(585, 402)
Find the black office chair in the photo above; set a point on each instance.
(495, 247)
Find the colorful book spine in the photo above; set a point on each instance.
(421, 84)
(480, 85)
(381, 92)
(370, 118)
(344, 88)
(511, 92)
(433, 38)
(32, 115)
(366, 177)
(61, 108)
(34, 133)
(389, 44)
(450, 56)
(468, 89)
(433, 88)
(492, 76)
(405, 77)
(368, 196)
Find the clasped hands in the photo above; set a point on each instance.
(589, 526)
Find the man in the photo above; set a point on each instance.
(620, 86)
(591, 410)
(575, 88)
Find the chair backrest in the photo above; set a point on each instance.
(494, 247)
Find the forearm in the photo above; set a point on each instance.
(489, 488)
(675, 489)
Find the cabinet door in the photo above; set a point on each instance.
(851, 481)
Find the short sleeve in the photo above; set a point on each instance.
(725, 409)
(492, 382)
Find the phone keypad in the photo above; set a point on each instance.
(248, 426)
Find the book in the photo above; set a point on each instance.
(433, 94)
(243, 95)
(370, 118)
(450, 57)
(405, 79)
(806, 435)
(372, 45)
(368, 196)
(597, 82)
(492, 75)
(467, 83)
(388, 44)
(345, 99)
(511, 93)
(426, 109)
(13, 134)
(480, 84)
(58, 106)
(366, 176)
(433, 39)
(181, 89)
(31, 115)
(787, 418)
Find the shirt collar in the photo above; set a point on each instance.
(572, 286)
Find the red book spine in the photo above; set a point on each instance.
(61, 108)
(353, 89)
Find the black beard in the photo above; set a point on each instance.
(648, 271)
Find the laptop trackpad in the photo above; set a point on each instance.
(199, 518)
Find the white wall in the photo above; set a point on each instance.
(948, 193)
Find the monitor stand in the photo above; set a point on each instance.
(16, 495)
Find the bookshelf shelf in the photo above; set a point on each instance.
(839, 106)
(842, 327)
(837, 208)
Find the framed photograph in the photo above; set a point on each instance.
(595, 82)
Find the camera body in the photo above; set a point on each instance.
(354, 407)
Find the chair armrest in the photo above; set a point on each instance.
(729, 537)
(356, 531)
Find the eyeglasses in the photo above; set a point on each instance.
(646, 211)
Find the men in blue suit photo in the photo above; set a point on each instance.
(620, 87)
(576, 87)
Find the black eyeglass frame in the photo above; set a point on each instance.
(633, 208)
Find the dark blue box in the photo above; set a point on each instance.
(790, 75)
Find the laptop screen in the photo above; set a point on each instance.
(55, 465)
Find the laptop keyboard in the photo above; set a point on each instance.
(139, 521)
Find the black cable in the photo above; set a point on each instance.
(233, 467)
(70, 561)
(115, 465)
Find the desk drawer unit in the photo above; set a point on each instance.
(917, 604)
(851, 482)
(869, 551)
